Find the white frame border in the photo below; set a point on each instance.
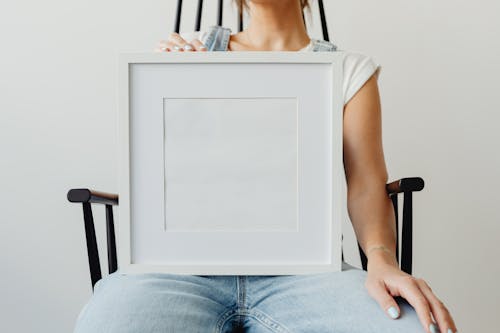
(337, 206)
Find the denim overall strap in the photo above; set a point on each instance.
(323, 45)
(217, 38)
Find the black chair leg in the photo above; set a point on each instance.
(407, 234)
(110, 232)
(394, 199)
(177, 24)
(92, 251)
(364, 260)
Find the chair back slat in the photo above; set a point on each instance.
(240, 19)
(177, 23)
(219, 12)
(199, 11)
(324, 28)
(220, 9)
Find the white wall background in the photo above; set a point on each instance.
(58, 129)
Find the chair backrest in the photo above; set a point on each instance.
(220, 3)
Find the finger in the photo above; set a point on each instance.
(412, 293)
(161, 46)
(379, 292)
(164, 46)
(198, 45)
(162, 49)
(170, 46)
(439, 310)
(176, 39)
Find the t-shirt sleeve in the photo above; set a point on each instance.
(358, 68)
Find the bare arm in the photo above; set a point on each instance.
(371, 213)
(369, 206)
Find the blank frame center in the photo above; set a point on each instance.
(230, 164)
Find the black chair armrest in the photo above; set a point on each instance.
(409, 184)
(91, 196)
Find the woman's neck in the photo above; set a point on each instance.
(275, 26)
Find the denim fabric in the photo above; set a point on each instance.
(321, 302)
(218, 39)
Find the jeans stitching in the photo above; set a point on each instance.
(258, 315)
(265, 320)
(223, 319)
(243, 288)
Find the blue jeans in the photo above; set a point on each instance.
(321, 302)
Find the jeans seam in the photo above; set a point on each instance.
(258, 315)
(240, 285)
(223, 319)
(240, 281)
(265, 320)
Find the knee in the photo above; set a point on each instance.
(368, 316)
(355, 310)
(113, 296)
(115, 282)
(364, 315)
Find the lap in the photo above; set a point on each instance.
(327, 302)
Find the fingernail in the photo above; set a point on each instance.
(393, 312)
(433, 328)
(449, 330)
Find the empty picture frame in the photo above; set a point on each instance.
(231, 162)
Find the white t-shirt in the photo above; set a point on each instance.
(358, 67)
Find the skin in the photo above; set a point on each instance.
(277, 25)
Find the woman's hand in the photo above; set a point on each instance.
(385, 279)
(176, 43)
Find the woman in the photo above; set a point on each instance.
(328, 302)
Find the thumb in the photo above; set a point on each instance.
(379, 292)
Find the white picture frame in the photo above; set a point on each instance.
(192, 128)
